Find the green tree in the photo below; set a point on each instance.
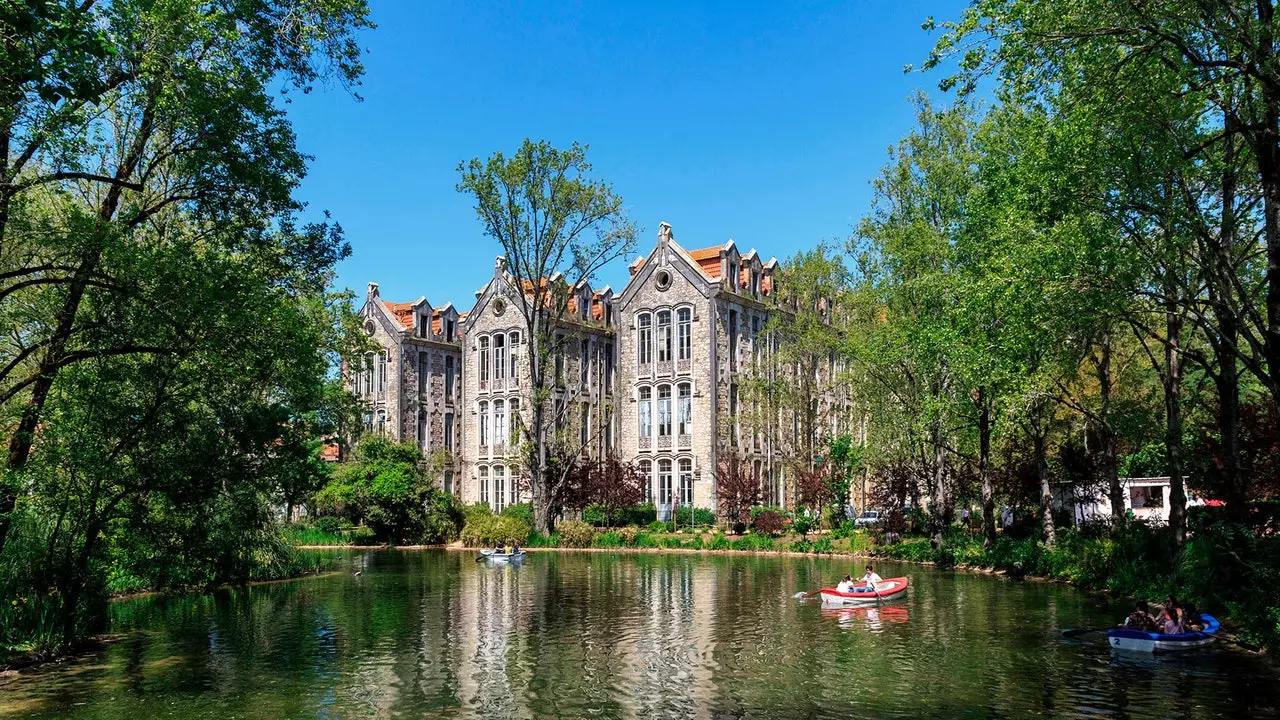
(554, 223)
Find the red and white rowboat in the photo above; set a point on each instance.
(885, 590)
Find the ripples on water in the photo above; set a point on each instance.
(435, 634)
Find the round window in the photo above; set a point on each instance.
(368, 327)
(499, 306)
(663, 279)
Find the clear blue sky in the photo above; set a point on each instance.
(758, 121)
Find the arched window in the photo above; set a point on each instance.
(382, 371)
(684, 333)
(499, 422)
(644, 348)
(684, 409)
(484, 423)
(646, 399)
(515, 491)
(515, 423)
(499, 356)
(686, 481)
(484, 485)
(664, 482)
(664, 410)
(499, 488)
(513, 342)
(664, 336)
(646, 471)
(382, 422)
(484, 362)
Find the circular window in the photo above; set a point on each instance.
(499, 306)
(368, 327)
(663, 279)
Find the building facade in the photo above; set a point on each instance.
(653, 374)
(411, 388)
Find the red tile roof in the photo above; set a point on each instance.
(402, 312)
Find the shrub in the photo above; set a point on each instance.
(475, 510)
(754, 542)
(629, 535)
(489, 530)
(657, 526)
(719, 542)
(832, 516)
(328, 524)
(595, 515)
(524, 511)
(609, 539)
(575, 534)
(701, 516)
(638, 515)
(768, 522)
(362, 535)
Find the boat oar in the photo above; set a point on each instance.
(1237, 643)
(803, 595)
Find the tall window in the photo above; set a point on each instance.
(684, 409)
(559, 351)
(382, 371)
(381, 426)
(684, 333)
(484, 424)
(644, 339)
(646, 470)
(513, 342)
(368, 373)
(664, 336)
(448, 377)
(484, 362)
(499, 422)
(584, 432)
(448, 481)
(424, 433)
(499, 488)
(608, 428)
(484, 485)
(733, 415)
(515, 423)
(608, 367)
(424, 372)
(664, 482)
(733, 339)
(448, 432)
(646, 400)
(664, 410)
(499, 356)
(584, 362)
(755, 338)
(686, 481)
(515, 491)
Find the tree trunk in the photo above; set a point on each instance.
(938, 516)
(1115, 493)
(1173, 408)
(1227, 377)
(984, 469)
(1039, 434)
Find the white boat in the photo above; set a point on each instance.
(1139, 641)
(502, 557)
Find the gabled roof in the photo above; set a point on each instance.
(402, 313)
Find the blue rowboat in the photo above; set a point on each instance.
(1139, 641)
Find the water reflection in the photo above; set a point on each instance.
(434, 634)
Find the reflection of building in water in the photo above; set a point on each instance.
(488, 617)
(672, 657)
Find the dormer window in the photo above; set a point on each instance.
(424, 326)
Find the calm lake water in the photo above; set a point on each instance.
(435, 634)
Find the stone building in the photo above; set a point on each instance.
(496, 390)
(411, 389)
(653, 374)
(691, 325)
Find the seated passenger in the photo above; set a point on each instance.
(845, 585)
(871, 579)
(1140, 619)
(1171, 620)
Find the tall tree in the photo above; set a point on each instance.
(113, 115)
(553, 222)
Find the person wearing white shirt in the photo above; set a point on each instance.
(845, 585)
(871, 579)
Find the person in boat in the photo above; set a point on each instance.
(1140, 619)
(845, 585)
(498, 548)
(1171, 620)
(871, 579)
(515, 549)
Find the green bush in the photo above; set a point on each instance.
(638, 515)
(489, 530)
(328, 524)
(701, 516)
(753, 542)
(595, 515)
(611, 539)
(719, 542)
(575, 534)
(657, 526)
(524, 511)
(629, 535)
(300, 534)
(475, 510)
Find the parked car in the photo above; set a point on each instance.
(868, 518)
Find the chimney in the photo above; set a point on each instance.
(635, 266)
(664, 233)
(373, 289)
